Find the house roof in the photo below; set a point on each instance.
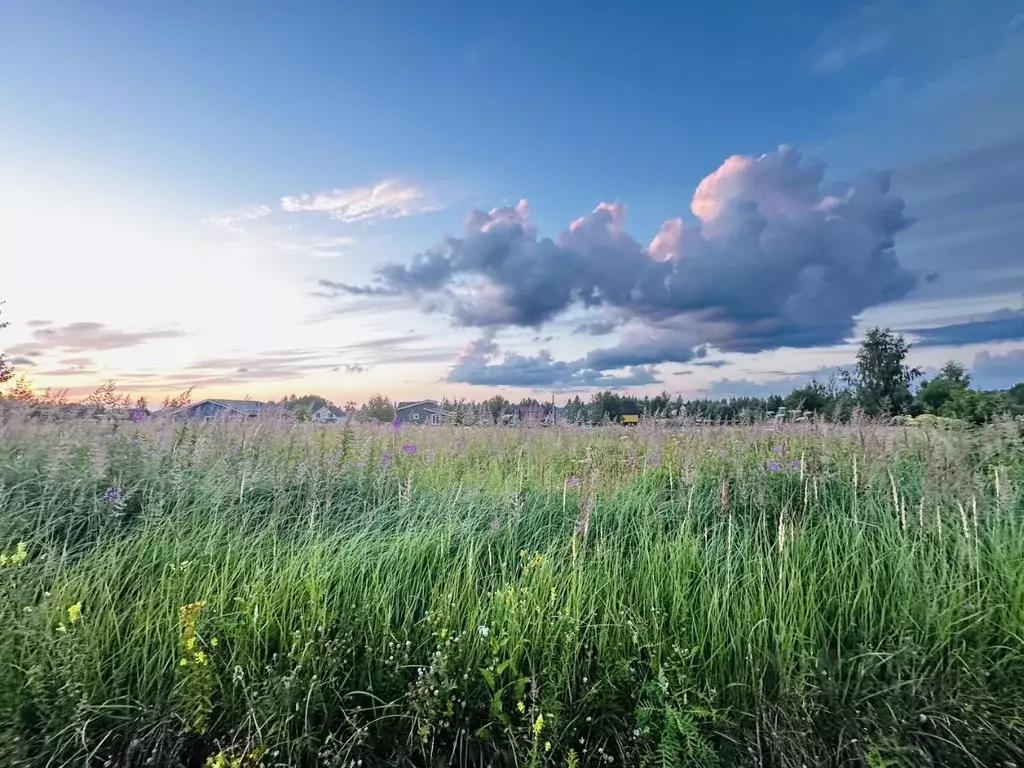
(430, 406)
(248, 407)
(411, 403)
(332, 409)
(245, 407)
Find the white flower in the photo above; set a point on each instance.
(483, 630)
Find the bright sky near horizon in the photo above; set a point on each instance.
(458, 199)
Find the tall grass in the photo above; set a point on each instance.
(272, 594)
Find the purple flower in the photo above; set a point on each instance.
(654, 461)
(385, 459)
(572, 482)
(397, 423)
(795, 464)
(779, 448)
(458, 444)
(409, 448)
(361, 465)
(113, 495)
(495, 524)
(774, 466)
(139, 415)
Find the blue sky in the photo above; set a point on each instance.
(203, 193)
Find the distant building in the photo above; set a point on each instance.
(206, 410)
(327, 414)
(421, 412)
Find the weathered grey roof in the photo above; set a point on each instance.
(248, 407)
(410, 403)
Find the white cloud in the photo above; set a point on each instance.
(235, 220)
(389, 199)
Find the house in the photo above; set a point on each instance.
(206, 410)
(327, 414)
(421, 412)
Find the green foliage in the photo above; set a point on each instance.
(882, 379)
(6, 372)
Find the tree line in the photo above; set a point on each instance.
(880, 383)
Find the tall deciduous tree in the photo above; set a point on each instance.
(882, 378)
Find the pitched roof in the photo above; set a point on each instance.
(248, 407)
(410, 403)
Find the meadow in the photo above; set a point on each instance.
(279, 594)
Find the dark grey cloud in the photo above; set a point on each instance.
(778, 258)
(38, 323)
(93, 337)
(998, 371)
(21, 360)
(1001, 325)
(710, 363)
(597, 327)
(541, 371)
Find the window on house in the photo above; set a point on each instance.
(435, 418)
(415, 417)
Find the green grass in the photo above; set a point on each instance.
(465, 605)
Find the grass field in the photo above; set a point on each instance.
(283, 595)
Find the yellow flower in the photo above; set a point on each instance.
(538, 725)
(183, 663)
(547, 746)
(520, 706)
(200, 658)
(61, 628)
(190, 643)
(214, 641)
(74, 613)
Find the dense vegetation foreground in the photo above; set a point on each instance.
(283, 595)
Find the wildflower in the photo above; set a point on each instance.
(213, 642)
(520, 706)
(795, 463)
(409, 448)
(773, 466)
(538, 725)
(495, 524)
(572, 482)
(458, 444)
(547, 746)
(483, 630)
(19, 556)
(654, 461)
(397, 423)
(74, 613)
(61, 628)
(113, 495)
(384, 461)
(779, 448)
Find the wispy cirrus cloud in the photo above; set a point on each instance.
(388, 199)
(238, 220)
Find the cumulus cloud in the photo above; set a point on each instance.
(777, 257)
(1001, 325)
(389, 199)
(478, 365)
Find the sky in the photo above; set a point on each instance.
(544, 199)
